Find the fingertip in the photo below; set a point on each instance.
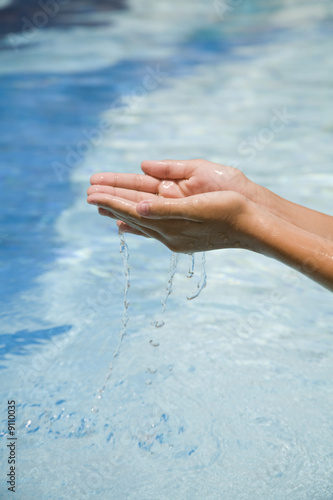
(148, 165)
(121, 226)
(143, 166)
(90, 200)
(104, 212)
(97, 178)
(91, 190)
(93, 179)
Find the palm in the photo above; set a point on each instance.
(198, 176)
(170, 179)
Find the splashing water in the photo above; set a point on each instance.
(125, 256)
(125, 317)
(203, 279)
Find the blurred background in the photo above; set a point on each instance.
(231, 397)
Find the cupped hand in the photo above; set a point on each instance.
(173, 179)
(195, 223)
(168, 179)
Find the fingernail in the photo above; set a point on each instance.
(143, 208)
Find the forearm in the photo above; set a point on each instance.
(305, 218)
(306, 252)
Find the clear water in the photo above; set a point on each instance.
(203, 278)
(125, 317)
(232, 398)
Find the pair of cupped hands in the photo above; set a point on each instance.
(190, 206)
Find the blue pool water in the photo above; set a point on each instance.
(232, 397)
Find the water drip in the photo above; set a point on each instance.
(172, 271)
(203, 279)
(125, 317)
(191, 268)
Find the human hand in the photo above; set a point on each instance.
(173, 179)
(196, 223)
(197, 205)
(170, 179)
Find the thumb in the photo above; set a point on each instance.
(162, 209)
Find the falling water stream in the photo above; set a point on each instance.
(203, 278)
(169, 288)
(125, 317)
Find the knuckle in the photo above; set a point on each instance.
(137, 181)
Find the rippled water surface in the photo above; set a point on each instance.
(232, 397)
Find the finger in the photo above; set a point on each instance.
(136, 228)
(137, 182)
(128, 194)
(161, 208)
(167, 169)
(121, 209)
(106, 213)
(110, 202)
(125, 228)
(197, 208)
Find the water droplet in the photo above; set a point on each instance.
(203, 279)
(191, 268)
(158, 324)
(125, 317)
(172, 271)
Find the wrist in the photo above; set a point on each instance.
(277, 238)
(252, 224)
(268, 233)
(259, 195)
